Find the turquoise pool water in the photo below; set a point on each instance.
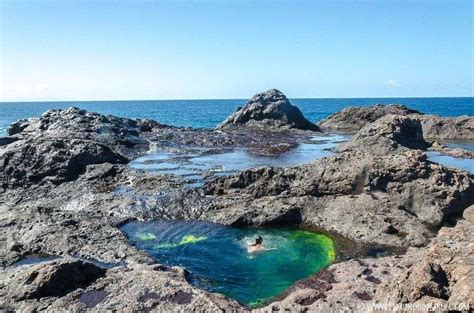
(218, 259)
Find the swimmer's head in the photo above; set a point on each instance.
(259, 240)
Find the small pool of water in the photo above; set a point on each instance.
(35, 259)
(196, 168)
(459, 144)
(218, 259)
(449, 161)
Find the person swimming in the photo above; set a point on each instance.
(257, 246)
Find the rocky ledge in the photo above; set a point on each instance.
(63, 178)
(354, 118)
(434, 127)
(271, 110)
(378, 190)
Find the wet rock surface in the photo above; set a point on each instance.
(272, 110)
(66, 188)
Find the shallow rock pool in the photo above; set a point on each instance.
(195, 167)
(218, 259)
(449, 161)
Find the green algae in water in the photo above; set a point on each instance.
(184, 241)
(218, 260)
(145, 236)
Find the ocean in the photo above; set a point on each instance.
(209, 113)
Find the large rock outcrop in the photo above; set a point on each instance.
(272, 110)
(394, 199)
(447, 128)
(354, 118)
(58, 146)
(53, 160)
(388, 134)
(434, 127)
(119, 134)
(76, 122)
(80, 286)
(54, 279)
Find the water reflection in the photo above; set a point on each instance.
(449, 161)
(195, 168)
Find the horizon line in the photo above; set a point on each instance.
(218, 99)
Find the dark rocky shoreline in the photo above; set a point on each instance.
(60, 176)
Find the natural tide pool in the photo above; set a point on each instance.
(195, 168)
(218, 260)
(449, 161)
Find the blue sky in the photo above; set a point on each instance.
(93, 50)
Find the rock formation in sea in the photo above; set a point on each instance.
(388, 134)
(271, 110)
(66, 189)
(354, 118)
(434, 127)
(446, 128)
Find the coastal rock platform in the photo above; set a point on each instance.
(66, 188)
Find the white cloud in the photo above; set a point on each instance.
(392, 83)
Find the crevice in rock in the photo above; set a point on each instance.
(58, 280)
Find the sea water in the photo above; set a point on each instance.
(218, 259)
(208, 113)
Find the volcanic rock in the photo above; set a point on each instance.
(270, 109)
(393, 199)
(67, 191)
(27, 162)
(388, 134)
(81, 286)
(447, 128)
(434, 127)
(354, 118)
(54, 279)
